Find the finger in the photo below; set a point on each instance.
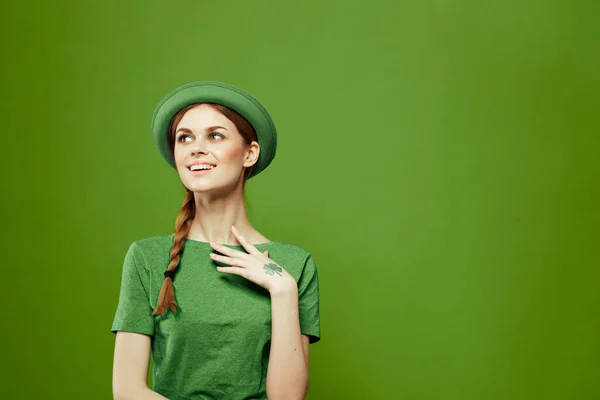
(229, 260)
(228, 251)
(232, 271)
(266, 253)
(245, 243)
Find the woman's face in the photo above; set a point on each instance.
(206, 136)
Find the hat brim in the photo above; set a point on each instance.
(217, 93)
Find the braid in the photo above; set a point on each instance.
(166, 297)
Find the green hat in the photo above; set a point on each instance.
(220, 93)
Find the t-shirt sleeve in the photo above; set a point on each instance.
(308, 300)
(134, 312)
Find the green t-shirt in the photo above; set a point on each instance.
(218, 344)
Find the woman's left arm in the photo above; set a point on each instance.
(287, 374)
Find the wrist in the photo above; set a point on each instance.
(284, 290)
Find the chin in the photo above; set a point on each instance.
(204, 185)
(199, 186)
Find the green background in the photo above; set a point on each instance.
(438, 158)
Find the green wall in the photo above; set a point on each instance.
(438, 158)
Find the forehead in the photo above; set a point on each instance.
(203, 115)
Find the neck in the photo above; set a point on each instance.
(215, 215)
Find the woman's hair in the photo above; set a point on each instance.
(166, 297)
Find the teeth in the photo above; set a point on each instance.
(200, 166)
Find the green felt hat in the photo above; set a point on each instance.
(220, 93)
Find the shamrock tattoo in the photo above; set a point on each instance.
(272, 268)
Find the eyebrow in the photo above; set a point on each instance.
(209, 128)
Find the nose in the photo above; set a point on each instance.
(198, 148)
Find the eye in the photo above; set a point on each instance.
(182, 136)
(213, 133)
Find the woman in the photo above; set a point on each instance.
(225, 312)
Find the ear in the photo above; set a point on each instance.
(252, 154)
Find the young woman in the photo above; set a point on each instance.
(225, 312)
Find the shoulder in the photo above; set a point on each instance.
(151, 247)
(153, 241)
(293, 257)
(288, 249)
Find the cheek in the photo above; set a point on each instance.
(180, 158)
(229, 155)
(178, 154)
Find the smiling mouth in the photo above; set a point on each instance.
(201, 170)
